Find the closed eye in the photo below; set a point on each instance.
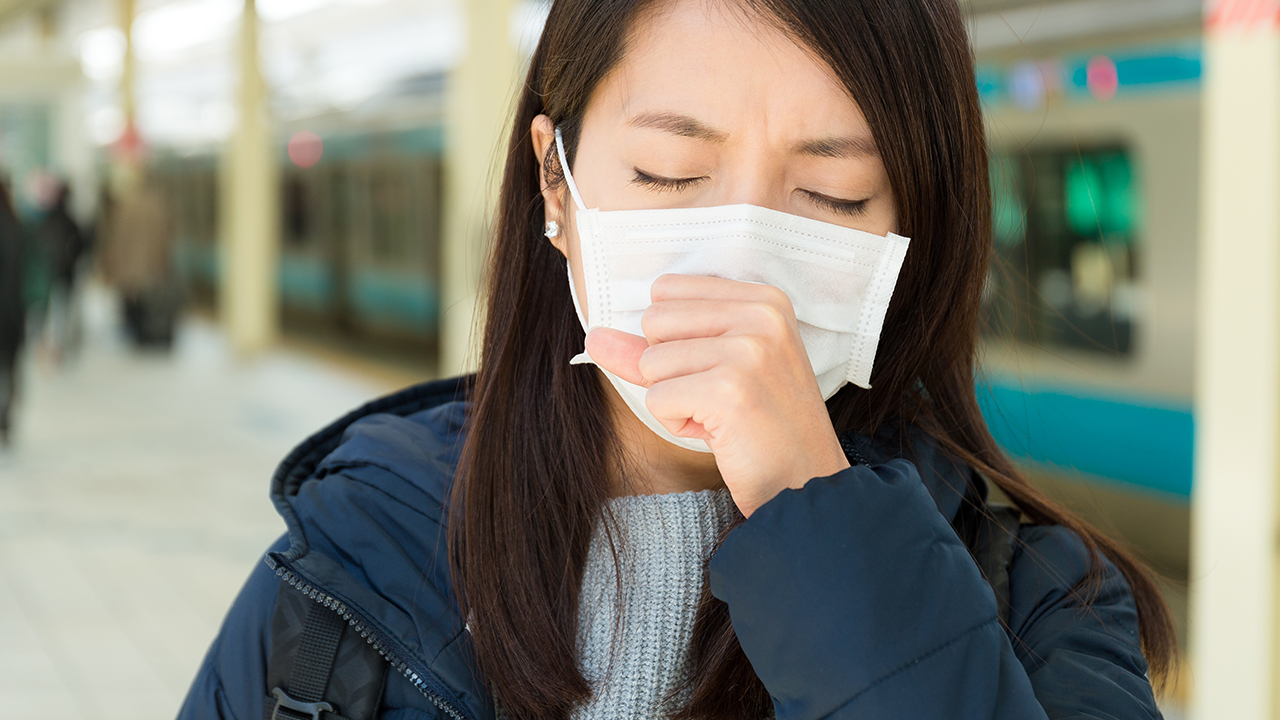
(663, 184)
(848, 208)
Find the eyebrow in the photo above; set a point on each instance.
(839, 147)
(685, 126)
(681, 125)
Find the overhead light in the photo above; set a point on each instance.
(277, 10)
(172, 28)
(101, 53)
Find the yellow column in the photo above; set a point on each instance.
(250, 210)
(128, 102)
(478, 119)
(1235, 504)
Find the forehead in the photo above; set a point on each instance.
(723, 63)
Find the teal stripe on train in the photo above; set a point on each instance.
(1160, 68)
(1137, 441)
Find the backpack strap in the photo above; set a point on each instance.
(995, 538)
(317, 669)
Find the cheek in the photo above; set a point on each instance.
(570, 247)
(567, 240)
(887, 216)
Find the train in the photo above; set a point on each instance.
(1090, 326)
(359, 234)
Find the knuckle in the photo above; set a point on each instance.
(650, 362)
(772, 318)
(651, 319)
(655, 398)
(779, 298)
(731, 390)
(662, 285)
(752, 350)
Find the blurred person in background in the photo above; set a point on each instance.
(13, 308)
(63, 244)
(137, 258)
(719, 509)
(29, 205)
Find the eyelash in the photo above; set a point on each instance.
(848, 208)
(664, 184)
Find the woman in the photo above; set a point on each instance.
(580, 494)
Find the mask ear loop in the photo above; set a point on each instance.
(568, 177)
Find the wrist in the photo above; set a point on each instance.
(829, 465)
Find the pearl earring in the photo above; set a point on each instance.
(552, 230)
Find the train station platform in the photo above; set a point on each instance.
(133, 503)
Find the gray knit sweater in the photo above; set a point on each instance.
(665, 542)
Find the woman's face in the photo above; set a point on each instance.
(711, 106)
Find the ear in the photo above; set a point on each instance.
(543, 134)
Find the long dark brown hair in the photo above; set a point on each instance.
(532, 480)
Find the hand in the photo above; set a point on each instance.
(723, 362)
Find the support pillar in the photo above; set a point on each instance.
(478, 116)
(128, 101)
(1235, 504)
(250, 209)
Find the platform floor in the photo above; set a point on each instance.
(133, 503)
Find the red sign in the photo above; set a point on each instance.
(1242, 14)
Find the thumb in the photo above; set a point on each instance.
(618, 352)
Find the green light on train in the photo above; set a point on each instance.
(1101, 197)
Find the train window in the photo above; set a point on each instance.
(390, 214)
(297, 212)
(1065, 223)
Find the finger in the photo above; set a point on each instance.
(685, 427)
(693, 400)
(688, 357)
(683, 319)
(618, 352)
(686, 287)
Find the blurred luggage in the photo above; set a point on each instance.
(150, 316)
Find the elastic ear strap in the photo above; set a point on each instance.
(568, 177)
(874, 307)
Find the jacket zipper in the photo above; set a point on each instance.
(851, 451)
(371, 635)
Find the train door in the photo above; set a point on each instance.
(1065, 274)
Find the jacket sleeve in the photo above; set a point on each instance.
(854, 598)
(232, 681)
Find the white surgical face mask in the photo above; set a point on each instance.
(839, 280)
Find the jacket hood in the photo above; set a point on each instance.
(365, 502)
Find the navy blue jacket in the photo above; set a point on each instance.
(852, 597)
